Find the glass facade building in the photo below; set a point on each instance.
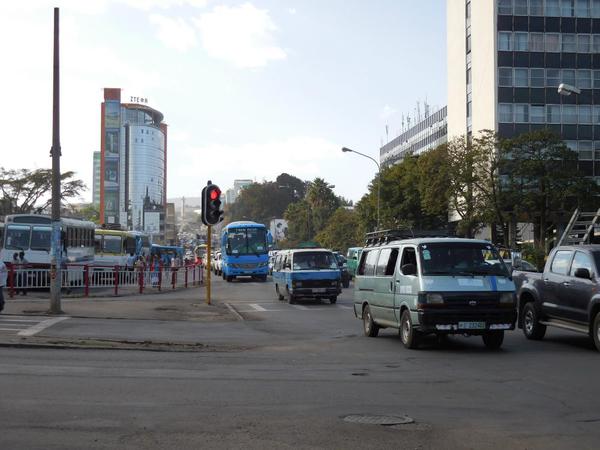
(96, 179)
(506, 59)
(133, 163)
(425, 135)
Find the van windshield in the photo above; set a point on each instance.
(461, 258)
(314, 261)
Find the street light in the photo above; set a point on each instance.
(566, 89)
(346, 150)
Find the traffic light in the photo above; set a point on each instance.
(212, 213)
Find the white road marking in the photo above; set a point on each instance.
(301, 307)
(41, 326)
(233, 311)
(3, 320)
(257, 307)
(10, 329)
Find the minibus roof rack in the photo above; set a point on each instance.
(382, 237)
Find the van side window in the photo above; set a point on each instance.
(391, 265)
(371, 262)
(382, 262)
(581, 260)
(361, 265)
(561, 261)
(409, 256)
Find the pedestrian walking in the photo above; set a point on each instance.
(130, 263)
(24, 278)
(3, 277)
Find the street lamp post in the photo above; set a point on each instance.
(345, 150)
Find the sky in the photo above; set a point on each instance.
(249, 89)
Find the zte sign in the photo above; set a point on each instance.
(138, 99)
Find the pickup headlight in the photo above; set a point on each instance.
(434, 299)
(296, 283)
(507, 297)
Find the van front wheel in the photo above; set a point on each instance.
(371, 329)
(410, 337)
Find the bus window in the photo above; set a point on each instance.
(17, 237)
(130, 245)
(112, 244)
(98, 243)
(40, 238)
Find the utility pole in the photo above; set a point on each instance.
(56, 247)
(208, 262)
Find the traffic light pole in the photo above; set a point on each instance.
(208, 263)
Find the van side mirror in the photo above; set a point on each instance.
(582, 272)
(409, 269)
(516, 260)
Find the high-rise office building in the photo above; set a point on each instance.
(425, 135)
(506, 59)
(96, 179)
(133, 175)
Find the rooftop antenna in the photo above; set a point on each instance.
(387, 133)
(403, 122)
(426, 108)
(418, 111)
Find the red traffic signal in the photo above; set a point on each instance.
(212, 213)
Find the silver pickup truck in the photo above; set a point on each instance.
(565, 295)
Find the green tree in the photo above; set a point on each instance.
(27, 191)
(322, 202)
(342, 231)
(90, 212)
(543, 174)
(299, 218)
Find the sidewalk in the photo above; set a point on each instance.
(184, 312)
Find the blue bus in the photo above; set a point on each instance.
(245, 250)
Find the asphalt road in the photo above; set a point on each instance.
(286, 376)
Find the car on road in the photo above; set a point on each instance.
(565, 295)
(434, 285)
(352, 258)
(345, 275)
(306, 273)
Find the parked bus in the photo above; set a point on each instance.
(166, 253)
(113, 247)
(244, 249)
(31, 233)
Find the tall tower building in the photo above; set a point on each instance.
(506, 59)
(133, 175)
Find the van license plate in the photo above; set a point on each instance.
(471, 325)
(318, 290)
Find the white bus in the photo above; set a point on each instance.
(31, 233)
(113, 247)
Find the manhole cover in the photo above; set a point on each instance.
(378, 420)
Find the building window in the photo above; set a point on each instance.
(552, 8)
(585, 114)
(572, 145)
(567, 8)
(521, 42)
(553, 78)
(584, 79)
(536, 42)
(505, 7)
(582, 8)
(521, 77)
(583, 43)
(520, 8)
(505, 76)
(536, 7)
(553, 42)
(505, 112)
(553, 113)
(504, 41)
(569, 77)
(537, 77)
(596, 79)
(569, 43)
(596, 8)
(537, 114)
(585, 150)
(569, 114)
(521, 113)
(597, 115)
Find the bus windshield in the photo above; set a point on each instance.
(314, 261)
(112, 244)
(17, 237)
(246, 241)
(40, 238)
(461, 258)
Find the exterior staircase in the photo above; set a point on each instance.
(580, 229)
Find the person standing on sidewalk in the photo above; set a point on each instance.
(3, 277)
(131, 259)
(24, 278)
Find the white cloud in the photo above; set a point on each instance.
(147, 5)
(242, 36)
(175, 33)
(292, 11)
(387, 112)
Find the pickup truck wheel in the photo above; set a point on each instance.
(596, 330)
(532, 328)
(333, 299)
(493, 339)
(370, 328)
(410, 337)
